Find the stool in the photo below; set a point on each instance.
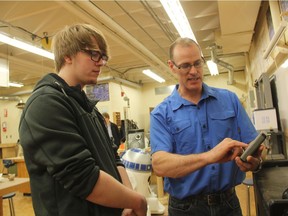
(11, 205)
(248, 182)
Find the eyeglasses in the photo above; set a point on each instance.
(186, 67)
(96, 55)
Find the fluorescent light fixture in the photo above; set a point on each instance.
(178, 17)
(285, 64)
(212, 66)
(25, 46)
(153, 75)
(4, 72)
(13, 84)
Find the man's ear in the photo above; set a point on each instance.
(68, 59)
(170, 64)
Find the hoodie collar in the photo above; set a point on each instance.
(75, 92)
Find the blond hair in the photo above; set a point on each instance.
(72, 39)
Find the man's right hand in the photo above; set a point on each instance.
(226, 150)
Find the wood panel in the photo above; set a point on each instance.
(6, 151)
(21, 172)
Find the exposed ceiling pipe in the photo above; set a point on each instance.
(14, 98)
(19, 105)
(215, 59)
(119, 80)
(92, 14)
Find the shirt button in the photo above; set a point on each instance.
(204, 126)
(213, 167)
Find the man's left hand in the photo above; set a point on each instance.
(253, 162)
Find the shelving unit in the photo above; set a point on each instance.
(117, 118)
(7, 151)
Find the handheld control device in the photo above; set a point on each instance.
(253, 146)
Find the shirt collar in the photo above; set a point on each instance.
(177, 101)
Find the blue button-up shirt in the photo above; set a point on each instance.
(181, 127)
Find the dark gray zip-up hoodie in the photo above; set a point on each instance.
(65, 145)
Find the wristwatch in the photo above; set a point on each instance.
(259, 166)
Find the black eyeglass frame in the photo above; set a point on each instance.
(187, 66)
(98, 57)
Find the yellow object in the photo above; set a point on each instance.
(46, 43)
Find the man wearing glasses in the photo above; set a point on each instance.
(196, 136)
(72, 166)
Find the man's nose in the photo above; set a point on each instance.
(193, 70)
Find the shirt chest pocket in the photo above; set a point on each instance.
(223, 124)
(183, 133)
(180, 126)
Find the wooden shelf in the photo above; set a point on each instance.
(21, 172)
(7, 150)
